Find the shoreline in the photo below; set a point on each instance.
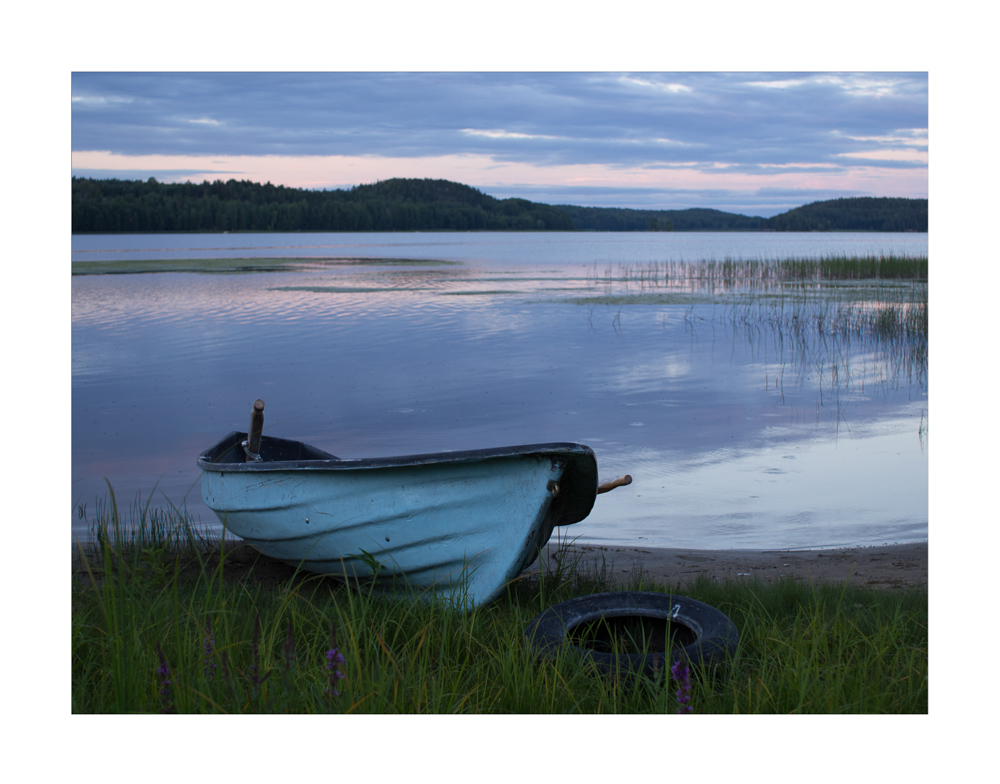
(878, 566)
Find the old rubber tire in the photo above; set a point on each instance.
(715, 636)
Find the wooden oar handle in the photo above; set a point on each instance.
(256, 428)
(613, 483)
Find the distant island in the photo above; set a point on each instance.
(136, 206)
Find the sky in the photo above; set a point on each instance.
(754, 143)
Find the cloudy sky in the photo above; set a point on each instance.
(752, 143)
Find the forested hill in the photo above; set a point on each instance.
(393, 205)
(857, 214)
(623, 219)
(110, 206)
(854, 214)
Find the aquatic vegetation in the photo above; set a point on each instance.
(882, 335)
(756, 274)
(217, 266)
(240, 265)
(828, 315)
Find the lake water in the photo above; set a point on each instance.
(738, 434)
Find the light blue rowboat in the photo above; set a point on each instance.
(462, 524)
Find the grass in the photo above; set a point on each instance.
(161, 624)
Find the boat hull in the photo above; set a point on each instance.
(459, 524)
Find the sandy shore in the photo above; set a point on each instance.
(885, 566)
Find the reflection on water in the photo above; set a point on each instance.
(742, 427)
(787, 492)
(503, 250)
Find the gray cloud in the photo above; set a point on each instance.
(621, 120)
(165, 175)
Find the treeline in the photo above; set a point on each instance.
(855, 214)
(107, 206)
(852, 214)
(134, 206)
(622, 219)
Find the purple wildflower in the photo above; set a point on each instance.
(163, 671)
(682, 675)
(334, 658)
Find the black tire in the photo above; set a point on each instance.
(712, 637)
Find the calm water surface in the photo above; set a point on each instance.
(736, 435)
